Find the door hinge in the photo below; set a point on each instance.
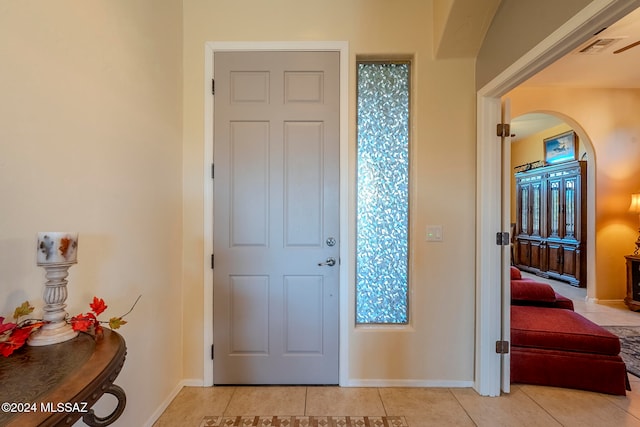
(212, 263)
(503, 130)
(213, 171)
(213, 87)
(502, 347)
(212, 353)
(502, 238)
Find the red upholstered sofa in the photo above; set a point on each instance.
(555, 346)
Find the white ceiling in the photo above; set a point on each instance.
(604, 69)
(529, 124)
(601, 69)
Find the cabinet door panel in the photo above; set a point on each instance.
(570, 262)
(523, 212)
(555, 258)
(529, 205)
(522, 252)
(554, 207)
(536, 258)
(568, 230)
(536, 208)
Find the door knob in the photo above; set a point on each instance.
(331, 261)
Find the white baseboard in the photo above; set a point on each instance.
(604, 301)
(193, 382)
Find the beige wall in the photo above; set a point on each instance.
(517, 27)
(443, 174)
(101, 131)
(609, 120)
(90, 141)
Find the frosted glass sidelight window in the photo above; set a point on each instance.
(382, 193)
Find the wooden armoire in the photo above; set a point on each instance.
(550, 235)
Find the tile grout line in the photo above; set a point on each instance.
(384, 408)
(524, 391)
(462, 406)
(621, 408)
(306, 400)
(226, 407)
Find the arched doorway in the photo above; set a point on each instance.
(528, 133)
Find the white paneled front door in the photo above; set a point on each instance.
(276, 217)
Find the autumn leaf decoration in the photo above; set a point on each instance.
(86, 321)
(14, 335)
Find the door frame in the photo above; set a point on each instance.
(346, 212)
(598, 14)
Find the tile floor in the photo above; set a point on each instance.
(525, 406)
(605, 313)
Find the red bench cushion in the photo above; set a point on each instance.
(563, 302)
(515, 273)
(528, 290)
(539, 327)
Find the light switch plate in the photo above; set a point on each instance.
(434, 233)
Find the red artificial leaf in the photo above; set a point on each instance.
(82, 322)
(98, 306)
(18, 338)
(5, 326)
(7, 348)
(23, 332)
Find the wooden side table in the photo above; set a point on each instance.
(633, 282)
(56, 385)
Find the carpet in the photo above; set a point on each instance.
(302, 421)
(629, 346)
